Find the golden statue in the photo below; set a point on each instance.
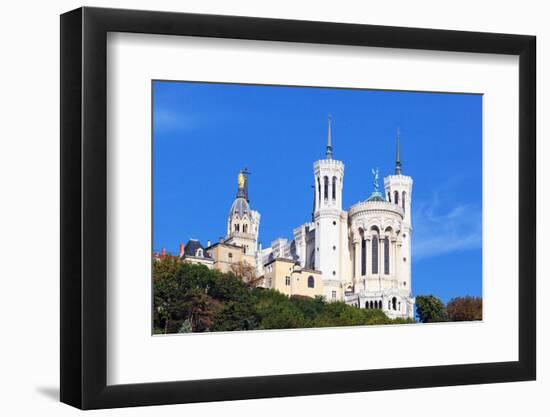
(241, 179)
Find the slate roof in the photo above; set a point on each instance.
(191, 248)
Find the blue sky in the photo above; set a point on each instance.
(203, 134)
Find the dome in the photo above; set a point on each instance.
(239, 207)
(375, 196)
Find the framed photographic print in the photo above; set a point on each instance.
(258, 207)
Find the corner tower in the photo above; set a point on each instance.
(330, 220)
(398, 189)
(243, 224)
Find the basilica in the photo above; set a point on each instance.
(361, 256)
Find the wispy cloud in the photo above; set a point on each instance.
(168, 120)
(440, 227)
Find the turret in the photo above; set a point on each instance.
(243, 223)
(329, 219)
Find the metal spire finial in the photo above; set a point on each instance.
(329, 139)
(398, 154)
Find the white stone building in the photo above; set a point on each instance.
(362, 255)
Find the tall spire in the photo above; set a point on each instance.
(398, 154)
(329, 140)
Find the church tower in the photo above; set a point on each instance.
(243, 224)
(329, 218)
(398, 188)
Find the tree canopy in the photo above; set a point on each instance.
(430, 309)
(194, 298)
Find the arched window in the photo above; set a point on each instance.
(245, 228)
(199, 253)
(403, 200)
(386, 256)
(363, 257)
(319, 189)
(394, 303)
(325, 192)
(310, 282)
(399, 308)
(396, 197)
(389, 197)
(389, 305)
(375, 254)
(380, 304)
(367, 304)
(372, 305)
(236, 227)
(334, 188)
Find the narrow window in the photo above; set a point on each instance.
(310, 282)
(396, 197)
(375, 254)
(325, 193)
(386, 256)
(394, 303)
(333, 295)
(403, 200)
(287, 281)
(319, 189)
(334, 188)
(363, 257)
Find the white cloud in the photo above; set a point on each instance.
(439, 228)
(167, 120)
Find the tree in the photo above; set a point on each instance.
(430, 309)
(465, 309)
(246, 273)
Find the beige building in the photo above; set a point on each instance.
(288, 277)
(224, 255)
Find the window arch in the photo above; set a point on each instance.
(386, 256)
(394, 303)
(334, 188)
(372, 305)
(236, 227)
(363, 257)
(199, 253)
(396, 197)
(375, 254)
(319, 189)
(325, 192)
(311, 282)
(245, 228)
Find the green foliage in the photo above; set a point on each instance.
(194, 298)
(430, 309)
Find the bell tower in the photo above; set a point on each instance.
(243, 224)
(398, 189)
(328, 215)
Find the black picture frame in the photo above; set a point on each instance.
(84, 207)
